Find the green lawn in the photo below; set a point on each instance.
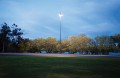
(58, 67)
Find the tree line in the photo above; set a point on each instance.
(11, 40)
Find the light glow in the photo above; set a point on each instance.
(60, 15)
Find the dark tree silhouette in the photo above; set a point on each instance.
(16, 37)
(4, 35)
(10, 37)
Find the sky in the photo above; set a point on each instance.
(39, 18)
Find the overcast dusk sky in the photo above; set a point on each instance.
(39, 18)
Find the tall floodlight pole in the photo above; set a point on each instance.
(60, 15)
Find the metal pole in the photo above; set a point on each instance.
(60, 15)
(60, 37)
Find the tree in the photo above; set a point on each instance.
(10, 38)
(92, 47)
(4, 36)
(78, 43)
(116, 39)
(50, 44)
(38, 44)
(104, 43)
(16, 37)
(25, 45)
(65, 45)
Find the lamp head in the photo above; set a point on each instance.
(60, 15)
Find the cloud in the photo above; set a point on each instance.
(40, 18)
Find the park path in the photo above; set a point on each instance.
(57, 55)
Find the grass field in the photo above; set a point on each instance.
(58, 67)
